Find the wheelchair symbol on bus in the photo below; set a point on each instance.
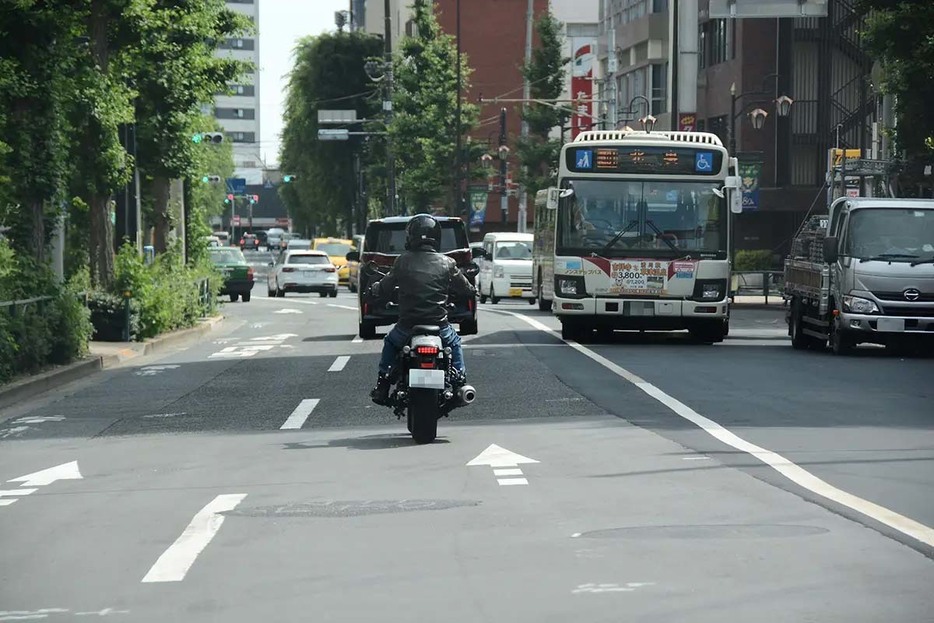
(703, 161)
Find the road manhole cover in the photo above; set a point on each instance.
(713, 531)
(348, 508)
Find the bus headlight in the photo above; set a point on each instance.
(569, 286)
(709, 289)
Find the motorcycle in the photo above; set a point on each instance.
(422, 378)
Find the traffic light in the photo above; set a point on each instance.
(211, 179)
(288, 179)
(253, 199)
(208, 137)
(229, 200)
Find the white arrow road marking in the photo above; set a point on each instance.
(102, 613)
(780, 464)
(289, 311)
(39, 419)
(29, 615)
(339, 363)
(301, 413)
(610, 588)
(154, 370)
(65, 471)
(20, 491)
(174, 563)
(497, 457)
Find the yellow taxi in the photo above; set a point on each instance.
(337, 250)
(354, 267)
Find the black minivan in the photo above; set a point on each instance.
(383, 243)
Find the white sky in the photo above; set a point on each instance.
(281, 24)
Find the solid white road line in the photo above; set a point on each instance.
(6, 502)
(339, 363)
(783, 466)
(342, 306)
(12, 492)
(301, 413)
(175, 562)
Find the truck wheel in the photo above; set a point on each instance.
(841, 342)
(800, 341)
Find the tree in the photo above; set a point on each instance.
(900, 34)
(328, 73)
(546, 72)
(37, 52)
(424, 127)
(176, 72)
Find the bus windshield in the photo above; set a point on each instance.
(654, 218)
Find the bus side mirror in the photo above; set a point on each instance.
(477, 253)
(353, 256)
(831, 249)
(732, 186)
(553, 195)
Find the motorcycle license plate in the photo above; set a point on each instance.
(426, 379)
(515, 291)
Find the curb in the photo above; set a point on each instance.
(44, 381)
(35, 385)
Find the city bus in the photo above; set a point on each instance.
(641, 235)
(543, 250)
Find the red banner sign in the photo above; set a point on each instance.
(582, 84)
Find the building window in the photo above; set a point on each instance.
(238, 44)
(702, 46)
(659, 88)
(659, 6)
(719, 126)
(242, 137)
(410, 29)
(715, 42)
(235, 113)
(246, 90)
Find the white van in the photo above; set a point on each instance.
(506, 269)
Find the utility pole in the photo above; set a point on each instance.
(526, 94)
(503, 197)
(458, 156)
(610, 67)
(387, 110)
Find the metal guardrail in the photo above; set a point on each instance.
(765, 283)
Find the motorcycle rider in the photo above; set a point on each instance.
(425, 277)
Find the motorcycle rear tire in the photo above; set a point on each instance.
(423, 415)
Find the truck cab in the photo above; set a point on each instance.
(864, 273)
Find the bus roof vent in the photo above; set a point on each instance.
(628, 134)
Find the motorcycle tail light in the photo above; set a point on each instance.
(426, 350)
(426, 366)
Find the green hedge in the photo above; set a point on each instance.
(35, 335)
(758, 259)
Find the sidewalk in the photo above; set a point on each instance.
(102, 355)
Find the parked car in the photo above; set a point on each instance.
(302, 271)
(383, 242)
(238, 274)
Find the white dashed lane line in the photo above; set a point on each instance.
(339, 363)
(300, 414)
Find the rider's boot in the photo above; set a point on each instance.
(380, 393)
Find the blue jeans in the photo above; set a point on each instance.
(399, 337)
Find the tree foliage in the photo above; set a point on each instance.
(181, 37)
(546, 72)
(328, 73)
(900, 34)
(424, 127)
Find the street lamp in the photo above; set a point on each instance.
(631, 111)
(381, 71)
(648, 123)
(758, 116)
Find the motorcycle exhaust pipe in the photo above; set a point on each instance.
(466, 394)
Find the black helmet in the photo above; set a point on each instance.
(423, 230)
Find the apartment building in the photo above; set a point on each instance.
(238, 112)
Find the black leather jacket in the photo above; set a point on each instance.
(425, 279)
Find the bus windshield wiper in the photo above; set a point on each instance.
(619, 234)
(661, 235)
(886, 256)
(927, 260)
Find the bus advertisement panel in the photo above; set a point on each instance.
(641, 234)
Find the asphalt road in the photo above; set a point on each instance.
(657, 480)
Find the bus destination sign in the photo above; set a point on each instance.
(645, 159)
